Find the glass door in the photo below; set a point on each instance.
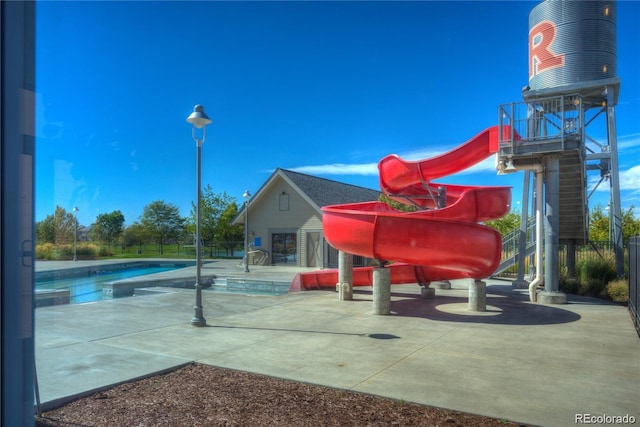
(284, 248)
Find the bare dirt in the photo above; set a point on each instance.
(201, 395)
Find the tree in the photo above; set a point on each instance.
(162, 221)
(630, 225)
(57, 228)
(226, 232)
(599, 226)
(397, 205)
(108, 227)
(135, 234)
(506, 224)
(212, 207)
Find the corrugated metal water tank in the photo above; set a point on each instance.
(571, 42)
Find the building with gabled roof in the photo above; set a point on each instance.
(285, 218)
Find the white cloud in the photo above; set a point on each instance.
(630, 179)
(365, 169)
(628, 141)
(422, 154)
(371, 169)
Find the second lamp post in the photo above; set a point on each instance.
(75, 233)
(246, 196)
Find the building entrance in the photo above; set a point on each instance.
(284, 248)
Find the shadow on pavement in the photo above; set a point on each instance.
(504, 307)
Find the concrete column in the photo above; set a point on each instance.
(551, 293)
(345, 276)
(477, 296)
(381, 290)
(427, 292)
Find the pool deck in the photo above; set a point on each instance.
(531, 363)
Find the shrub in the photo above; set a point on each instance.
(50, 251)
(592, 276)
(64, 251)
(46, 251)
(618, 290)
(86, 250)
(603, 269)
(105, 251)
(569, 285)
(593, 287)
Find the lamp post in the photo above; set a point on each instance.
(198, 120)
(246, 196)
(75, 232)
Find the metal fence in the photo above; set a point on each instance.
(331, 258)
(584, 253)
(634, 280)
(231, 249)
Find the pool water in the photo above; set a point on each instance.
(88, 288)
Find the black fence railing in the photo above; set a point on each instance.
(230, 249)
(634, 280)
(331, 258)
(584, 253)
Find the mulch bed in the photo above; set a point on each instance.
(201, 395)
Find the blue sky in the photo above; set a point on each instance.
(326, 88)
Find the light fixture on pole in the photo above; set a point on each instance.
(510, 167)
(246, 196)
(75, 232)
(198, 120)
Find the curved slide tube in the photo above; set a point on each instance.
(401, 179)
(440, 243)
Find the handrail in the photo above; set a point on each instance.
(510, 244)
(541, 120)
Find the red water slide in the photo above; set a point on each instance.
(442, 240)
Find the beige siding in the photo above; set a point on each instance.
(280, 208)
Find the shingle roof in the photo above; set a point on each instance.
(325, 192)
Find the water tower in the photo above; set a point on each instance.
(571, 95)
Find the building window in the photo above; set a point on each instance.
(283, 201)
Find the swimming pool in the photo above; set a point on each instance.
(85, 285)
